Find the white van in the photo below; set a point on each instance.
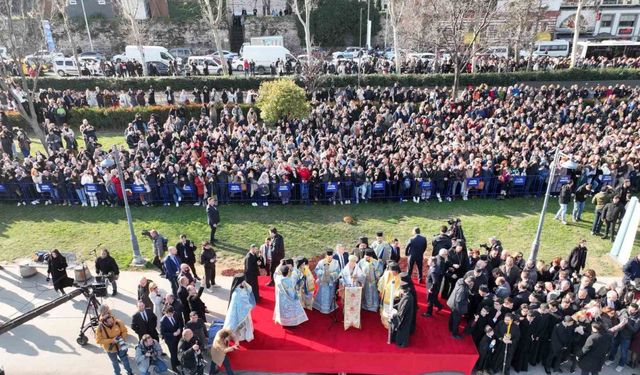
(264, 56)
(65, 66)
(151, 53)
(553, 48)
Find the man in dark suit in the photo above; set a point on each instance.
(187, 254)
(277, 252)
(434, 281)
(252, 270)
(144, 322)
(213, 218)
(441, 241)
(416, 247)
(171, 330)
(171, 267)
(458, 302)
(595, 350)
(341, 256)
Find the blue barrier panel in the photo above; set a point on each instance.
(378, 186)
(91, 188)
(519, 180)
(564, 179)
(425, 185)
(284, 188)
(187, 189)
(45, 188)
(235, 188)
(607, 179)
(3, 189)
(137, 188)
(473, 182)
(331, 187)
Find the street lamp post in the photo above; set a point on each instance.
(86, 23)
(535, 246)
(137, 257)
(360, 45)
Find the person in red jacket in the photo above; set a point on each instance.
(198, 181)
(304, 173)
(116, 184)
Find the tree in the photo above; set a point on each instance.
(523, 16)
(282, 99)
(213, 11)
(396, 9)
(59, 6)
(335, 23)
(306, 23)
(458, 26)
(19, 42)
(128, 9)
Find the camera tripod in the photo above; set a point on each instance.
(90, 312)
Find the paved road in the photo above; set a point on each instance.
(47, 344)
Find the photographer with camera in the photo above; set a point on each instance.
(107, 266)
(159, 246)
(190, 354)
(148, 354)
(455, 229)
(112, 335)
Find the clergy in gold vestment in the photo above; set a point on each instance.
(388, 287)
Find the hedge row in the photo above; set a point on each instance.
(416, 80)
(118, 118)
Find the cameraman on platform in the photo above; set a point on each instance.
(148, 354)
(107, 266)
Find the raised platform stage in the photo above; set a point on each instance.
(320, 346)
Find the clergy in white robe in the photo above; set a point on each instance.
(372, 270)
(327, 272)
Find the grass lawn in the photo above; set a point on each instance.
(307, 230)
(107, 139)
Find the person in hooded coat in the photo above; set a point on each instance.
(241, 302)
(404, 276)
(400, 323)
(252, 270)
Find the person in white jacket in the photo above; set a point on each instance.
(87, 179)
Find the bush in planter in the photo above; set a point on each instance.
(282, 99)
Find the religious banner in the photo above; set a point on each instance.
(352, 306)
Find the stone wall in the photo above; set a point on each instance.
(274, 26)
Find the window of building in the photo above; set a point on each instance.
(73, 2)
(102, 2)
(627, 20)
(606, 20)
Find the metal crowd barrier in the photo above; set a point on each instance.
(287, 193)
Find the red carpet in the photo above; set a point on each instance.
(317, 346)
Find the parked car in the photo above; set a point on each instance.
(163, 69)
(426, 57)
(212, 65)
(65, 66)
(182, 53)
(227, 54)
(44, 57)
(92, 55)
(348, 53)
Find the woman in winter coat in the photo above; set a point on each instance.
(57, 272)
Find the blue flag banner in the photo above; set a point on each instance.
(519, 180)
(564, 179)
(91, 188)
(331, 187)
(378, 186)
(45, 188)
(425, 185)
(235, 188)
(607, 179)
(187, 188)
(284, 188)
(137, 188)
(473, 182)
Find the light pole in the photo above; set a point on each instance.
(137, 257)
(86, 23)
(360, 45)
(535, 246)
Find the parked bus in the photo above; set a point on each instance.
(609, 49)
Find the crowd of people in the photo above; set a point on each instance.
(385, 143)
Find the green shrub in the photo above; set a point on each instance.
(416, 80)
(282, 99)
(118, 118)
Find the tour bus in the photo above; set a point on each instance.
(553, 48)
(609, 49)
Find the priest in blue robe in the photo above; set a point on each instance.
(327, 271)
